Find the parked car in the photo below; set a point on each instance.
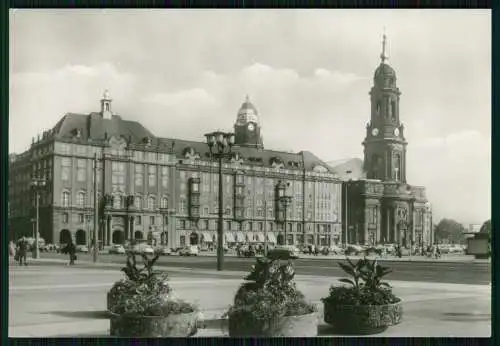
(335, 250)
(189, 251)
(143, 248)
(164, 251)
(82, 249)
(204, 248)
(117, 249)
(246, 251)
(457, 249)
(353, 250)
(284, 252)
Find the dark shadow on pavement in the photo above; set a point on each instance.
(80, 314)
(323, 329)
(466, 317)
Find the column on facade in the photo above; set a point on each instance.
(387, 231)
(131, 228)
(378, 224)
(396, 227)
(104, 230)
(108, 230)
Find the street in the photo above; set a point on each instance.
(70, 301)
(463, 272)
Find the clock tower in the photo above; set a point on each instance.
(247, 127)
(385, 144)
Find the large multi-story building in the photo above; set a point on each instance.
(379, 205)
(167, 188)
(153, 187)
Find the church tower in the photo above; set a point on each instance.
(247, 127)
(384, 144)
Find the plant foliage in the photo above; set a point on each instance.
(145, 291)
(269, 295)
(365, 285)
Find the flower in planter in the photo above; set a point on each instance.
(365, 285)
(145, 291)
(266, 299)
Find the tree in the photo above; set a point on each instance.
(449, 229)
(486, 228)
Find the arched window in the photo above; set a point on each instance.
(65, 199)
(299, 227)
(397, 166)
(151, 202)
(138, 202)
(164, 202)
(80, 199)
(377, 109)
(117, 202)
(393, 109)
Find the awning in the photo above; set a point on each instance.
(230, 237)
(271, 237)
(249, 237)
(240, 237)
(261, 238)
(207, 237)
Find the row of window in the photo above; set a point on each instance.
(118, 201)
(65, 148)
(212, 225)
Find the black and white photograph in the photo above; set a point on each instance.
(249, 173)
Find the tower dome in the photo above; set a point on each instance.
(384, 74)
(247, 113)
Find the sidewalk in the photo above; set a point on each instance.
(429, 309)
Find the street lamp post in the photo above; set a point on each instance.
(163, 211)
(286, 201)
(37, 184)
(220, 144)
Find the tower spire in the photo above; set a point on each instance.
(383, 55)
(247, 99)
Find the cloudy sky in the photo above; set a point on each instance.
(183, 73)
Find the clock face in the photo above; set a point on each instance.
(251, 127)
(375, 132)
(396, 132)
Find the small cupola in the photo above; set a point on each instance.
(247, 113)
(106, 111)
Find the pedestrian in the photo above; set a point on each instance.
(438, 252)
(22, 249)
(12, 249)
(70, 249)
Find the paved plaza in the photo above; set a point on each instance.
(47, 301)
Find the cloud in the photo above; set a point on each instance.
(456, 171)
(196, 97)
(39, 99)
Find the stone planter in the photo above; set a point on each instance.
(290, 326)
(362, 319)
(181, 325)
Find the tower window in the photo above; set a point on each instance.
(397, 167)
(378, 108)
(393, 109)
(107, 107)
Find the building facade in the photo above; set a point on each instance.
(382, 207)
(165, 189)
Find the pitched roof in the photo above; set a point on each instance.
(93, 128)
(351, 168)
